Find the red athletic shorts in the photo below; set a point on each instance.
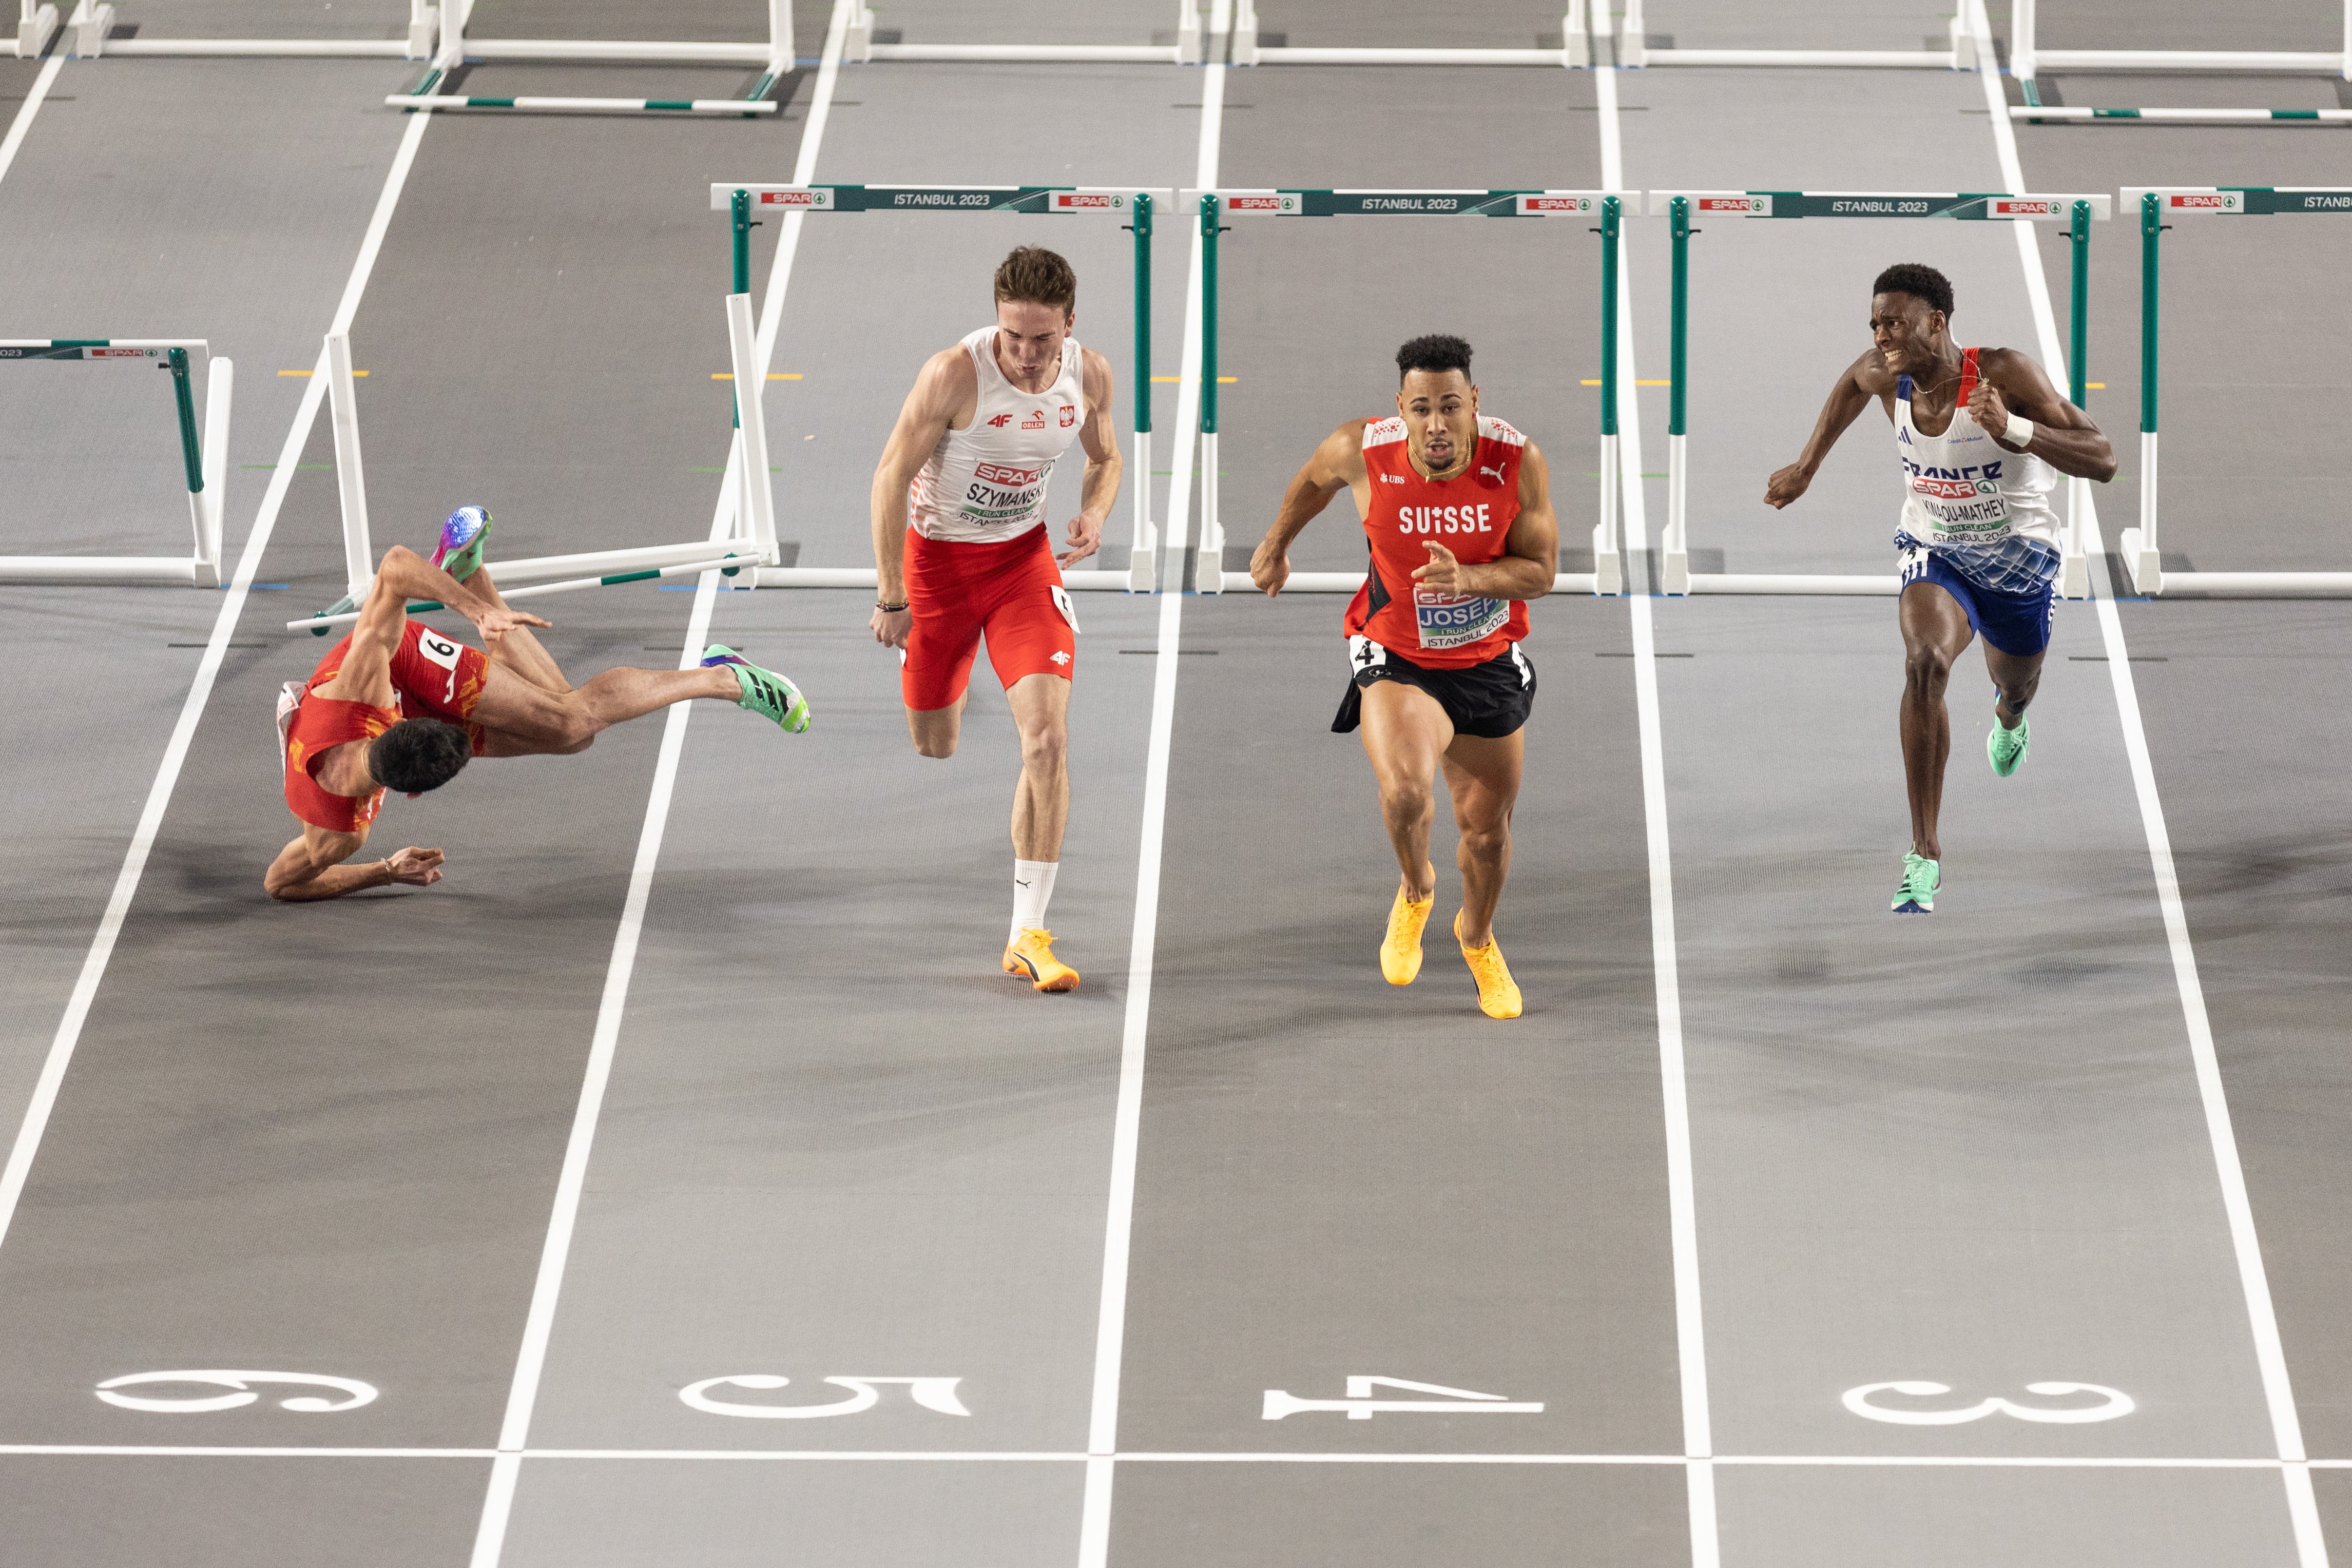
(1012, 593)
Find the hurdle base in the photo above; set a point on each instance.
(2145, 565)
(1607, 578)
(2257, 584)
(863, 577)
(2074, 577)
(539, 569)
(1792, 583)
(1349, 581)
(177, 571)
(705, 106)
(34, 32)
(1859, 59)
(1674, 573)
(1280, 55)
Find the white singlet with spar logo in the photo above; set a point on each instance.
(986, 483)
(1964, 493)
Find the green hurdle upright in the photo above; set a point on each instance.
(203, 461)
(1133, 205)
(2155, 203)
(1208, 573)
(1680, 207)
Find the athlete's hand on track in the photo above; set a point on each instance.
(1086, 538)
(1786, 484)
(892, 627)
(1991, 411)
(1269, 567)
(495, 624)
(417, 868)
(1444, 573)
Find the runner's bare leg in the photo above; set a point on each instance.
(520, 651)
(1483, 776)
(1406, 732)
(1935, 631)
(1041, 801)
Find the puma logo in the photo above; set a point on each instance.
(1498, 473)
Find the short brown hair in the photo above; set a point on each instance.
(1036, 276)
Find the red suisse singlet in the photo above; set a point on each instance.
(1471, 515)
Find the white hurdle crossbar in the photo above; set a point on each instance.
(1575, 51)
(1135, 203)
(1633, 49)
(1675, 576)
(2142, 558)
(93, 24)
(774, 56)
(205, 460)
(859, 46)
(1607, 576)
(2027, 60)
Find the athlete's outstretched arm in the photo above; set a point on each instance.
(1337, 464)
(1100, 436)
(411, 576)
(1531, 557)
(311, 867)
(1847, 398)
(2063, 435)
(938, 394)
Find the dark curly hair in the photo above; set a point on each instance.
(418, 753)
(1436, 353)
(1920, 282)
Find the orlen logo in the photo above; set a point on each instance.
(998, 474)
(1945, 489)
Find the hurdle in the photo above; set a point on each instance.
(774, 58)
(36, 24)
(1135, 203)
(1680, 207)
(1633, 49)
(2028, 60)
(727, 565)
(93, 26)
(861, 47)
(1209, 576)
(205, 461)
(2139, 545)
(1575, 51)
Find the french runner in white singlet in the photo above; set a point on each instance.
(962, 554)
(1978, 432)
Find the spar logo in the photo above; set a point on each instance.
(2018, 207)
(801, 198)
(1086, 202)
(1761, 206)
(1279, 201)
(2207, 202)
(1951, 489)
(1011, 478)
(1557, 204)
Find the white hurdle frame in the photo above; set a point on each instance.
(758, 542)
(775, 57)
(1675, 577)
(202, 569)
(92, 23)
(1575, 51)
(859, 46)
(2028, 60)
(1634, 51)
(37, 22)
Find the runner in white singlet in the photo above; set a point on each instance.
(1979, 433)
(961, 553)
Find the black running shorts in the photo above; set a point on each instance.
(1490, 700)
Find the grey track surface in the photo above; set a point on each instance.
(836, 1143)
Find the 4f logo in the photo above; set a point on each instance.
(1001, 420)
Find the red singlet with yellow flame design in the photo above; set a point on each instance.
(1471, 515)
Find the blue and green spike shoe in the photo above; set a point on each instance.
(459, 551)
(765, 691)
(1916, 893)
(2007, 746)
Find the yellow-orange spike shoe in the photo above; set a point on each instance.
(1499, 994)
(1401, 948)
(1032, 954)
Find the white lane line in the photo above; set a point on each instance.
(1682, 1190)
(23, 122)
(539, 1324)
(184, 734)
(1110, 1324)
(2253, 1279)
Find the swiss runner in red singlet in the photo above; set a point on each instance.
(962, 551)
(1457, 509)
(397, 706)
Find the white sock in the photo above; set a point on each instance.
(1033, 887)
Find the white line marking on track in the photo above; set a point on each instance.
(23, 122)
(1110, 1325)
(1682, 1199)
(538, 1325)
(175, 751)
(2254, 1279)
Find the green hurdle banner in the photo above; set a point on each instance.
(203, 461)
(1968, 207)
(2154, 205)
(1133, 207)
(1605, 209)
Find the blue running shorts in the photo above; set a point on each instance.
(2016, 624)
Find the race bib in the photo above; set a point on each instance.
(439, 650)
(1457, 620)
(1960, 510)
(1069, 610)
